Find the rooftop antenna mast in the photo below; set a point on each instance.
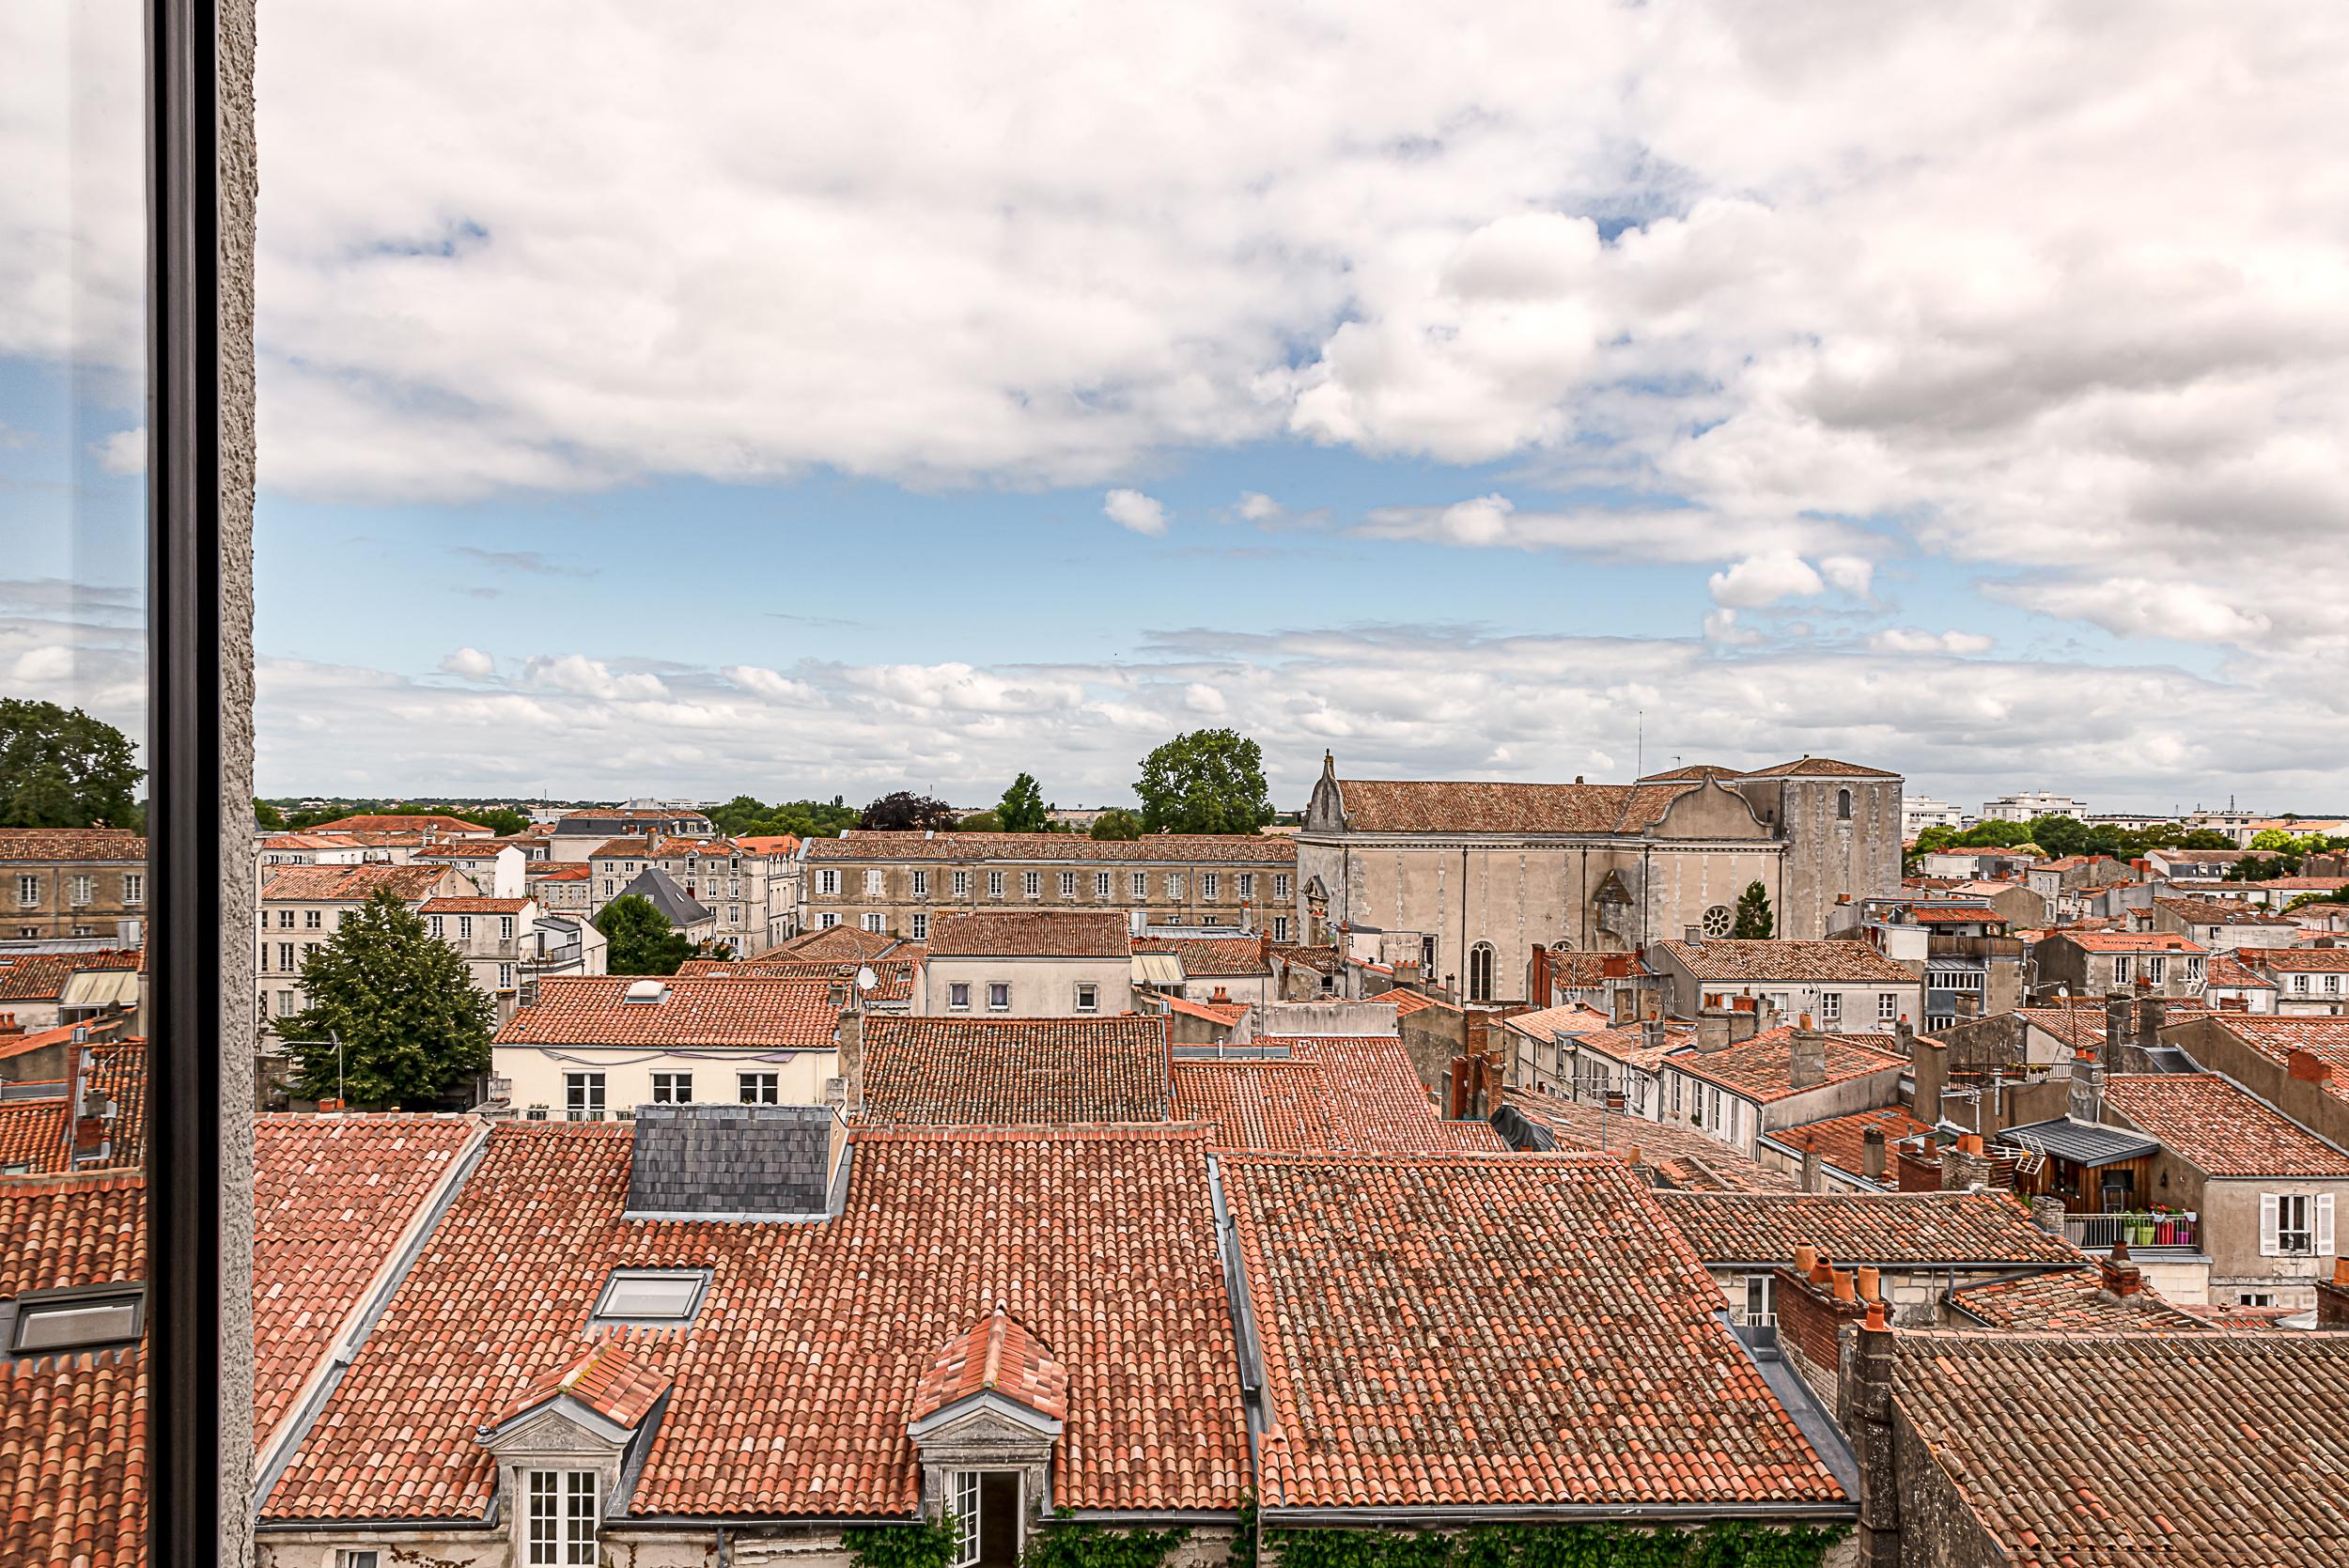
(1639, 747)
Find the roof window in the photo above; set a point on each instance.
(646, 991)
(652, 1296)
(81, 1319)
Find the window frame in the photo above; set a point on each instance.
(560, 1490)
(588, 1090)
(601, 1315)
(768, 1084)
(34, 1305)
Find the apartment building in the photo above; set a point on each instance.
(501, 941)
(71, 882)
(304, 906)
(751, 895)
(898, 884)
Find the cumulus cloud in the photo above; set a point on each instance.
(774, 686)
(124, 452)
(470, 663)
(1761, 580)
(1132, 509)
(590, 678)
(1909, 638)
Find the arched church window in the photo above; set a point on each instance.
(1480, 976)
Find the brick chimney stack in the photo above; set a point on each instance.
(1806, 1061)
(2122, 1277)
(2087, 1102)
(1864, 1405)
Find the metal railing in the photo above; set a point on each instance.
(2097, 1232)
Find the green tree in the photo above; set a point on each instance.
(904, 811)
(59, 767)
(643, 941)
(1205, 781)
(414, 1025)
(267, 815)
(1022, 809)
(981, 822)
(1117, 825)
(1754, 919)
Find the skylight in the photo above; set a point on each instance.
(652, 1295)
(79, 1320)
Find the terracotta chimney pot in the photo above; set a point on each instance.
(1806, 1259)
(1876, 1320)
(1822, 1272)
(1844, 1291)
(1870, 1282)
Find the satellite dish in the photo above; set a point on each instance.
(866, 979)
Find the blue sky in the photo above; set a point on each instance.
(771, 410)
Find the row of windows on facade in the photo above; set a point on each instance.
(1087, 999)
(734, 911)
(583, 1101)
(288, 1002)
(627, 870)
(918, 924)
(2156, 968)
(80, 889)
(1031, 884)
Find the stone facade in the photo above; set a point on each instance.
(70, 882)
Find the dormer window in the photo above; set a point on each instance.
(984, 1420)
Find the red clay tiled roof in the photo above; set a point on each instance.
(2276, 1038)
(1733, 960)
(2124, 1450)
(469, 904)
(593, 1010)
(1698, 1160)
(2225, 971)
(2219, 1129)
(996, 1355)
(1063, 849)
(1842, 1140)
(558, 870)
(2285, 960)
(1029, 934)
(1408, 1002)
(1259, 1104)
(36, 845)
(1563, 1347)
(1901, 1230)
(1762, 1068)
(953, 1071)
(37, 1133)
(604, 1377)
(1818, 768)
(350, 884)
(1224, 1012)
(1330, 1093)
(1382, 1104)
(400, 822)
(2083, 1022)
(331, 1197)
(894, 976)
(1320, 959)
(2127, 942)
(1627, 1043)
(843, 944)
(1102, 1239)
(41, 976)
(1548, 1023)
(1211, 957)
(1429, 805)
(2071, 1301)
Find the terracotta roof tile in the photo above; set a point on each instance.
(594, 1010)
(2119, 1451)
(1762, 1068)
(950, 1071)
(2287, 961)
(894, 977)
(1904, 1230)
(1564, 1347)
(1842, 1140)
(605, 1378)
(1818, 768)
(996, 1355)
(1030, 934)
(1733, 960)
(2219, 1129)
(401, 822)
(842, 944)
(2127, 942)
(43, 976)
(1698, 1161)
(469, 904)
(1359, 1095)
(352, 884)
(36, 845)
(1429, 805)
(1101, 1239)
(1063, 849)
(2071, 1301)
(1211, 957)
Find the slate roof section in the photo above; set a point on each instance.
(2121, 1451)
(1211, 957)
(350, 884)
(1101, 1239)
(331, 1197)
(658, 888)
(1446, 806)
(999, 1355)
(2218, 1128)
(1029, 934)
(1733, 960)
(958, 1071)
(1897, 1230)
(1564, 1347)
(594, 1010)
(73, 1427)
(106, 845)
(1274, 850)
(2071, 1301)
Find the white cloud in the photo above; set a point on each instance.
(124, 452)
(1761, 579)
(775, 687)
(1132, 509)
(1720, 625)
(1853, 574)
(1909, 638)
(2139, 607)
(470, 663)
(1199, 697)
(1255, 506)
(590, 678)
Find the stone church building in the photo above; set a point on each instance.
(1480, 874)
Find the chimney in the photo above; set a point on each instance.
(2332, 1298)
(1695, 934)
(851, 1062)
(8, 1024)
(1968, 1006)
(1744, 1019)
(1846, 1290)
(1822, 1270)
(732, 1161)
(2046, 1212)
(2117, 1007)
(1806, 1060)
(1904, 1036)
(2308, 1067)
(1810, 1165)
(1221, 993)
(1964, 1167)
(2151, 1013)
(2087, 1103)
(1712, 1030)
(1872, 1153)
(1806, 1258)
(1864, 1409)
(2121, 1276)
(1651, 1033)
(1870, 1284)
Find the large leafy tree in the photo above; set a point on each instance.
(1205, 781)
(1754, 919)
(1117, 825)
(643, 941)
(414, 1025)
(981, 822)
(59, 767)
(1022, 809)
(906, 810)
(744, 817)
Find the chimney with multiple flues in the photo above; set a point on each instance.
(1805, 1061)
(2087, 1101)
(1871, 1155)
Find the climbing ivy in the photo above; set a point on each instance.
(1721, 1545)
(1243, 1552)
(924, 1544)
(1066, 1543)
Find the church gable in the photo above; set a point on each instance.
(1711, 811)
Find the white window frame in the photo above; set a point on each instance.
(583, 1096)
(826, 921)
(1279, 928)
(958, 997)
(962, 1503)
(759, 1088)
(1888, 1007)
(828, 881)
(81, 889)
(671, 1088)
(1210, 885)
(1101, 885)
(563, 1511)
(1830, 1007)
(28, 893)
(2121, 969)
(1002, 987)
(995, 884)
(872, 882)
(1068, 884)
(920, 923)
(1140, 882)
(2155, 965)
(1088, 996)
(876, 922)
(1247, 885)
(1031, 884)
(1174, 887)
(921, 884)
(1280, 884)
(962, 884)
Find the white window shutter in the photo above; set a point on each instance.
(2268, 1224)
(2323, 1223)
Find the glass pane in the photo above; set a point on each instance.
(650, 1296)
(73, 732)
